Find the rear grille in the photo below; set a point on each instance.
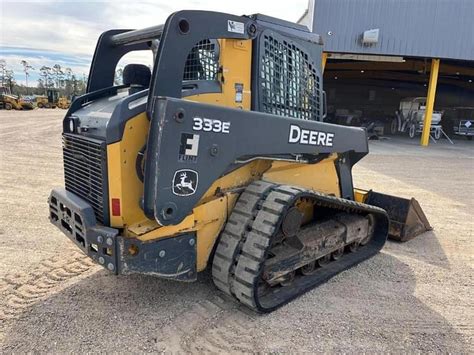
(85, 172)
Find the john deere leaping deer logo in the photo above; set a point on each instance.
(185, 182)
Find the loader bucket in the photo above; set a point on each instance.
(407, 219)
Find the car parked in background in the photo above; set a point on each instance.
(459, 121)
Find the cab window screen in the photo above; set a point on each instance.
(203, 61)
(289, 82)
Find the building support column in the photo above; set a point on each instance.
(430, 99)
(324, 59)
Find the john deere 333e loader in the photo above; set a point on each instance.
(219, 157)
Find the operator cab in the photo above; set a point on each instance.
(272, 70)
(200, 74)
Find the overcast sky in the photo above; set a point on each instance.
(65, 32)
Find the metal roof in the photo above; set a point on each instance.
(413, 28)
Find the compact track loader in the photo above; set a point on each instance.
(219, 158)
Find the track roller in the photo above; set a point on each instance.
(269, 253)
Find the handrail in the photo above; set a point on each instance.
(137, 36)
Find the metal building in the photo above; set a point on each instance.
(401, 44)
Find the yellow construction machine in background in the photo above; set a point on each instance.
(9, 101)
(64, 102)
(52, 100)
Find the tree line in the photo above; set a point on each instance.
(64, 80)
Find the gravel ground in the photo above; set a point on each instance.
(412, 297)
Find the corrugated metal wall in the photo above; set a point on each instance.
(418, 28)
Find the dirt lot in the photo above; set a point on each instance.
(412, 297)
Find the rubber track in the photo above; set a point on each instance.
(235, 233)
(249, 254)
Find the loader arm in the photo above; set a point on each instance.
(224, 137)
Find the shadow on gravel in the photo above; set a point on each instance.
(425, 248)
(370, 308)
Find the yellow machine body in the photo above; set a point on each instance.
(52, 100)
(211, 213)
(43, 102)
(11, 102)
(266, 204)
(64, 103)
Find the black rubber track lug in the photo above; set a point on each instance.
(247, 239)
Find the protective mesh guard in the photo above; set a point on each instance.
(289, 83)
(85, 171)
(203, 61)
